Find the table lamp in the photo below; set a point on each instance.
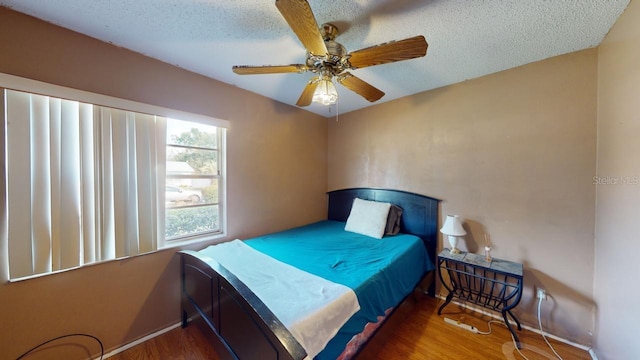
(453, 228)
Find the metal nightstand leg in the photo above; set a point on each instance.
(446, 302)
(513, 333)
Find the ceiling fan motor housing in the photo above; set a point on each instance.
(336, 59)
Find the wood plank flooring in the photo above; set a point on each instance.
(423, 335)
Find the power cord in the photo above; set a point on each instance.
(62, 337)
(490, 330)
(512, 338)
(542, 331)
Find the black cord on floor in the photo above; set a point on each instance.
(62, 337)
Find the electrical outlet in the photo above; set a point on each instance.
(541, 294)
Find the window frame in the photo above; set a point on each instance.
(220, 177)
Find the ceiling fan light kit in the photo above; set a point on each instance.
(326, 93)
(329, 59)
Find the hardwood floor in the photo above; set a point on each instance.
(422, 336)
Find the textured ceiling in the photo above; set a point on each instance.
(467, 39)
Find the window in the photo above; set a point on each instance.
(86, 183)
(192, 190)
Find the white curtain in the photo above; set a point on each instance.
(82, 183)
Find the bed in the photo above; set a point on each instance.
(240, 324)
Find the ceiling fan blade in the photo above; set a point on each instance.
(360, 87)
(307, 94)
(271, 69)
(301, 20)
(389, 52)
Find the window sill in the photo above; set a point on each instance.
(216, 238)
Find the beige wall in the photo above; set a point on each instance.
(277, 171)
(513, 154)
(618, 204)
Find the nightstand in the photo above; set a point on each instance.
(495, 285)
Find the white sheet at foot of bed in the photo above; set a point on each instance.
(312, 308)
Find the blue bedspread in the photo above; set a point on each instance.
(380, 271)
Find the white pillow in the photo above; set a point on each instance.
(368, 218)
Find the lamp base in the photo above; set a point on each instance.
(453, 241)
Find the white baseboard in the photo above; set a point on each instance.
(464, 305)
(139, 341)
(533, 329)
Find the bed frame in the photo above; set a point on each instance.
(239, 325)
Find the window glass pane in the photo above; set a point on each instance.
(188, 161)
(185, 192)
(210, 192)
(191, 134)
(192, 179)
(177, 196)
(191, 220)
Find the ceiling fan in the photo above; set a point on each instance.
(329, 59)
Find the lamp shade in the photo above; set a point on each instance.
(452, 226)
(325, 93)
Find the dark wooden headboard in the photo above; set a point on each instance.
(419, 216)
